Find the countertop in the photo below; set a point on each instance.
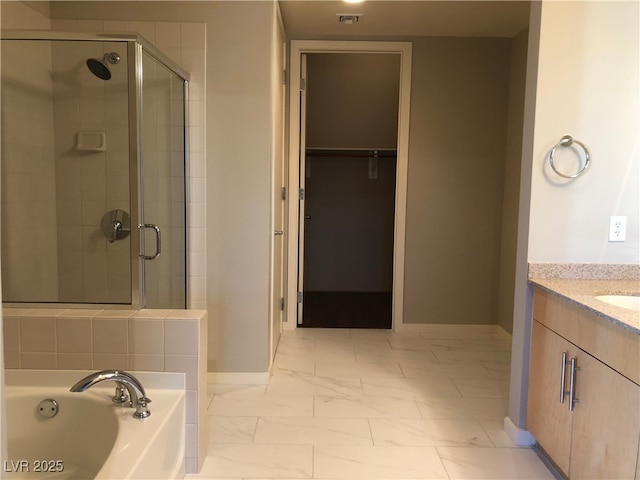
(582, 292)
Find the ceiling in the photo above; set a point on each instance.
(405, 18)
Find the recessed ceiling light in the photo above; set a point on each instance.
(353, 1)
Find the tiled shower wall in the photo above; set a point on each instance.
(143, 340)
(85, 267)
(29, 241)
(90, 183)
(185, 44)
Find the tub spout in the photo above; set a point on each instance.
(137, 396)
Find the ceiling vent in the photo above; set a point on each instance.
(349, 18)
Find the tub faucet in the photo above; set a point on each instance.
(124, 380)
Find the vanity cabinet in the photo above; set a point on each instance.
(596, 436)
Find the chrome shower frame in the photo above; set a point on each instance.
(136, 45)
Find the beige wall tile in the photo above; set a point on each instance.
(192, 406)
(89, 25)
(146, 336)
(11, 360)
(146, 363)
(38, 334)
(110, 335)
(115, 314)
(193, 35)
(167, 34)
(73, 335)
(181, 337)
(192, 60)
(38, 360)
(183, 364)
(75, 361)
(11, 333)
(106, 361)
(151, 313)
(114, 26)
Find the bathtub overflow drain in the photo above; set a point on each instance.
(48, 408)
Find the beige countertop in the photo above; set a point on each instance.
(582, 292)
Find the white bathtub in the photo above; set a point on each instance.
(90, 437)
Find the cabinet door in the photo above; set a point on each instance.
(548, 420)
(606, 422)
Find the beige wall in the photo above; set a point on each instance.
(352, 100)
(456, 170)
(238, 182)
(588, 79)
(511, 188)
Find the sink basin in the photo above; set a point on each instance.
(632, 302)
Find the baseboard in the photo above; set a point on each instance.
(522, 438)
(504, 333)
(238, 378)
(445, 328)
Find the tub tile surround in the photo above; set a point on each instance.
(580, 283)
(144, 340)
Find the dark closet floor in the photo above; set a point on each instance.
(346, 310)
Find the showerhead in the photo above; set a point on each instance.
(100, 68)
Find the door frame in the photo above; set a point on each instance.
(298, 47)
(277, 263)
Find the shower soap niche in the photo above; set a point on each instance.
(91, 141)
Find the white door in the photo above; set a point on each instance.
(278, 181)
(301, 193)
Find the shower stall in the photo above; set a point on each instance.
(93, 172)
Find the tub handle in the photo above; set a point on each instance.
(120, 395)
(142, 411)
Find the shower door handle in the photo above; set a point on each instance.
(158, 241)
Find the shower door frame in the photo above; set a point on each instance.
(136, 45)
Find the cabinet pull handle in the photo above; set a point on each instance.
(572, 385)
(563, 392)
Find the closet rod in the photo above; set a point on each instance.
(354, 152)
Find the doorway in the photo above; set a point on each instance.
(351, 131)
(351, 176)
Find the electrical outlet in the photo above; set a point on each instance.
(617, 229)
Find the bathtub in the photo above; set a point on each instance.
(90, 437)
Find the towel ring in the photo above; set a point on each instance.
(566, 141)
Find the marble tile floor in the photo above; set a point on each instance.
(372, 404)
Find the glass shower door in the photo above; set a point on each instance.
(162, 185)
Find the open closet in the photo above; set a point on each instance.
(346, 246)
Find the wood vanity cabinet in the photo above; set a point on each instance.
(599, 438)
